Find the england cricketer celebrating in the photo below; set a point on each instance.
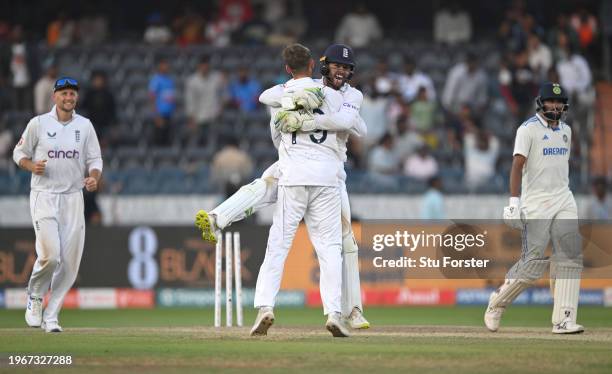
(545, 210)
(308, 189)
(60, 148)
(337, 66)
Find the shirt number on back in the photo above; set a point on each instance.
(313, 138)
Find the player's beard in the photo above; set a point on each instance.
(67, 107)
(335, 81)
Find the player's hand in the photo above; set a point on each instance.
(512, 214)
(39, 167)
(309, 98)
(291, 121)
(91, 184)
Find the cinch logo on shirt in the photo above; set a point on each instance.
(555, 151)
(350, 106)
(63, 154)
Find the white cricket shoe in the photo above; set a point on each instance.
(265, 319)
(357, 321)
(336, 326)
(34, 310)
(51, 326)
(493, 316)
(567, 326)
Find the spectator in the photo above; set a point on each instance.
(511, 33)
(255, 31)
(288, 23)
(235, 12)
(452, 25)
(383, 158)
(99, 104)
(408, 140)
(93, 28)
(422, 111)
(382, 78)
(22, 71)
(157, 32)
(43, 90)
(457, 125)
(359, 28)
(412, 80)
(203, 96)
(480, 152)
(585, 26)
(5, 31)
(519, 85)
(61, 31)
(5, 99)
(599, 206)
(540, 56)
(573, 69)
(189, 27)
(421, 165)
(562, 26)
(466, 83)
(244, 91)
(231, 167)
(6, 143)
(274, 11)
(374, 113)
(162, 93)
(218, 31)
(432, 207)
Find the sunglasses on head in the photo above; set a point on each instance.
(66, 82)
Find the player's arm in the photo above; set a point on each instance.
(522, 145)
(516, 175)
(346, 119)
(274, 133)
(24, 150)
(93, 160)
(360, 129)
(272, 96)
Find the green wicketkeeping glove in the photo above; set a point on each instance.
(293, 120)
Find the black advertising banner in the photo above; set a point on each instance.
(140, 257)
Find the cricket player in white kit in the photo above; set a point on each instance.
(337, 68)
(545, 210)
(61, 150)
(308, 189)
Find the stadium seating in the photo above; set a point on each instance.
(139, 167)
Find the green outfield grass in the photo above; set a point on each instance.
(415, 339)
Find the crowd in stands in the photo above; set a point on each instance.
(423, 121)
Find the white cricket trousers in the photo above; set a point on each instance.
(59, 224)
(320, 208)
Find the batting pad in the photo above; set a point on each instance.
(241, 204)
(567, 292)
(508, 291)
(351, 290)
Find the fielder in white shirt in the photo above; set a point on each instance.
(61, 150)
(308, 189)
(544, 210)
(337, 68)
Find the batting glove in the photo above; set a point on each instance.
(291, 121)
(512, 214)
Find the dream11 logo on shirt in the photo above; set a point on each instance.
(74, 154)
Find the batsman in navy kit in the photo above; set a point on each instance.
(543, 207)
